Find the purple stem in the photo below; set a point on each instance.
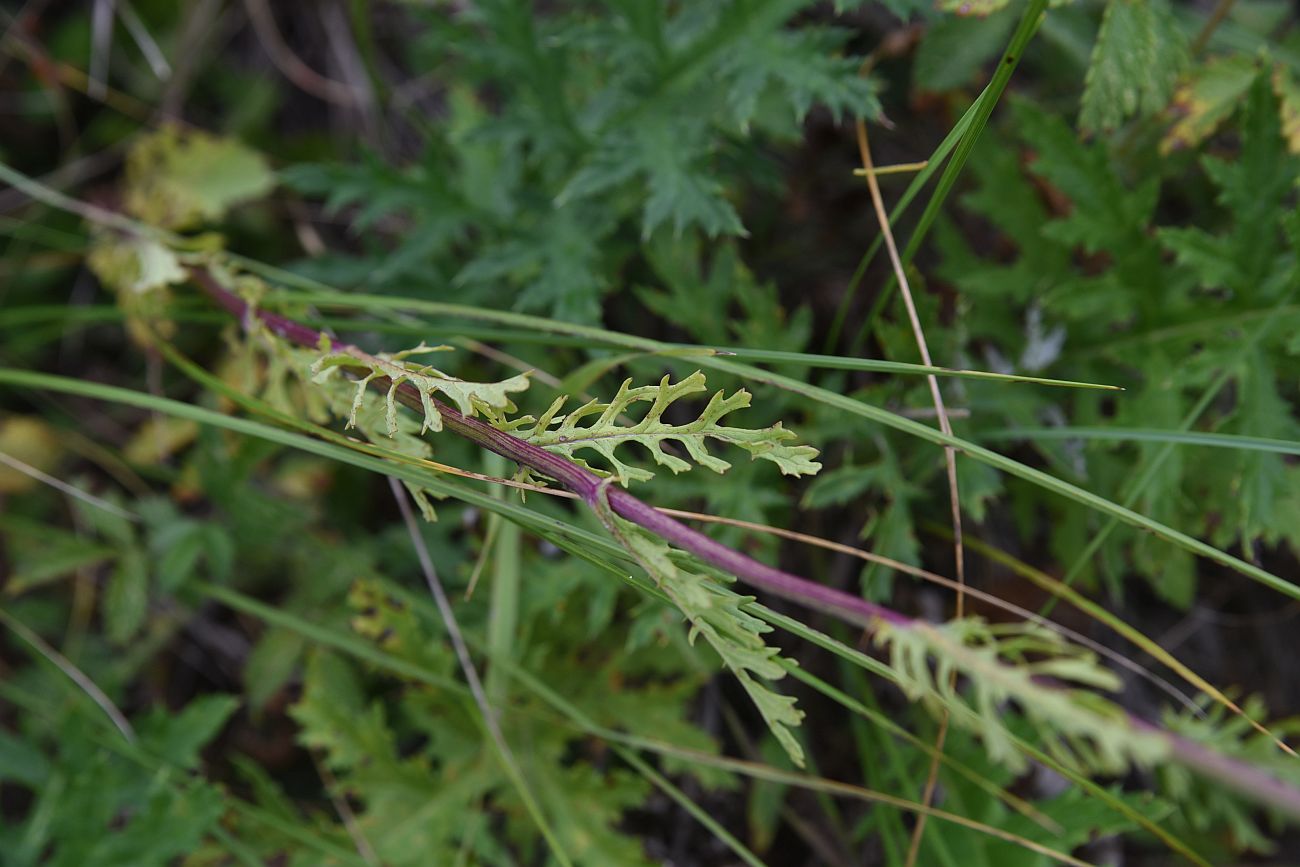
(1244, 778)
(585, 484)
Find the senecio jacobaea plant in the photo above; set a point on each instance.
(1052, 682)
(968, 669)
(543, 219)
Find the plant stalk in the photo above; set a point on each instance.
(1246, 779)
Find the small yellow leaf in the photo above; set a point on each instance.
(31, 441)
(158, 439)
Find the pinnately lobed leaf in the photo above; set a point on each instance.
(735, 635)
(1008, 663)
(605, 433)
(470, 397)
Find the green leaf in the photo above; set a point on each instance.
(802, 66)
(1210, 95)
(1105, 215)
(127, 596)
(177, 738)
(671, 163)
(605, 434)
(335, 717)
(1139, 55)
(177, 179)
(733, 634)
(1008, 662)
(20, 763)
(840, 485)
(470, 397)
(135, 266)
(271, 663)
(954, 48)
(64, 555)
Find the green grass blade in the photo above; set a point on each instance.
(1148, 435)
(913, 189)
(1024, 32)
(841, 362)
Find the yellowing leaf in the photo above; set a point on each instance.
(158, 438)
(135, 266)
(177, 179)
(1207, 99)
(31, 441)
(139, 270)
(1288, 95)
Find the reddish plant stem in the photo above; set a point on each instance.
(585, 484)
(1239, 776)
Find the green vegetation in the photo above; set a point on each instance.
(398, 452)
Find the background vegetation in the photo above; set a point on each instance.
(218, 643)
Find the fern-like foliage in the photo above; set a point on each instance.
(470, 397)
(1010, 663)
(601, 428)
(1204, 806)
(717, 615)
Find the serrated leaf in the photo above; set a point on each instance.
(606, 433)
(178, 737)
(1139, 54)
(1106, 215)
(840, 485)
(177, 178)
(1208, 98)
(335, 717)
(668, 159)
(804, 67)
